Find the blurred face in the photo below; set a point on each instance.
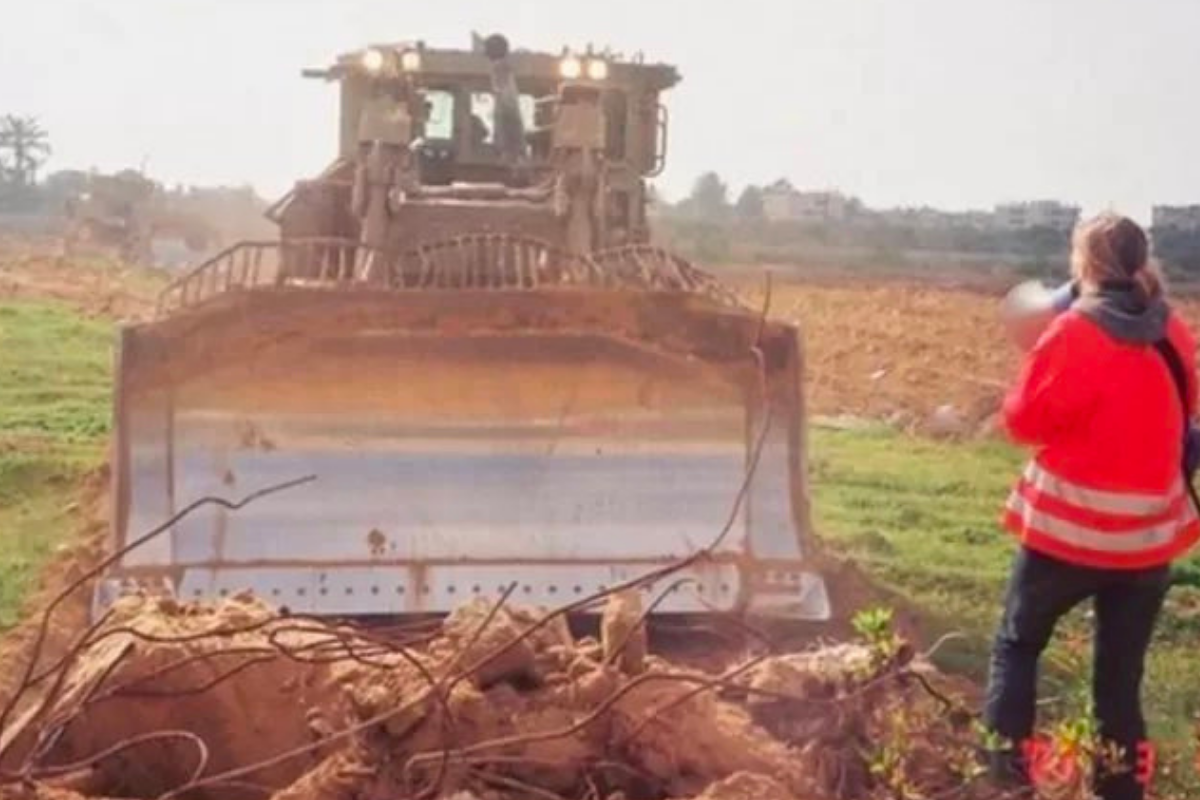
(1025, 331)
(1026, 312)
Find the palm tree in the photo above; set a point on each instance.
(26, 140)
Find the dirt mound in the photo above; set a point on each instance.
(166, 699)
(239, 679)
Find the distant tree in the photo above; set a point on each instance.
(749, 206)
(28, 145)
(710, 197)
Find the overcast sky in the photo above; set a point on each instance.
(952, 103)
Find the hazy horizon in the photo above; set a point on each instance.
(943, 103)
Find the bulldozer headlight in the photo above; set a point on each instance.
(570, 68)
(597, 69)
(372, 60)
(410, 61)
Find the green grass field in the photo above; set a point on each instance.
(918, 516)
(54, 398)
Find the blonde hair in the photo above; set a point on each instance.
(1111, 247)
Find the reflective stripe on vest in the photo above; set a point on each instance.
(1129, 504)
(1116, 523)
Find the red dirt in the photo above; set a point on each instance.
(549, 719)
(900, 349)
(66, 566)
(33, 270)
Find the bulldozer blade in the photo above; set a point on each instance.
(564, 441)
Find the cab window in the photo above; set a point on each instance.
(483, 115)
(439, 114)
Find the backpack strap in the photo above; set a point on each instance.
(1179, 375)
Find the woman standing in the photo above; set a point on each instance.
(1103, 508)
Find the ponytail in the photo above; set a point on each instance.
(1151, 281)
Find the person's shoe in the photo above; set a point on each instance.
(1006, 772)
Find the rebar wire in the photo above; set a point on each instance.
(595, 714)
(479, 631)
(257, 656)
(450, 724)
(120, 747)
(295, 752)
(691, 694)
(766, 308)
(80, 641)
(50, 734)
(336, 737)
(105, 563)
(261, 654)
(509, 782)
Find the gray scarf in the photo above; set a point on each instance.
(1124, 312)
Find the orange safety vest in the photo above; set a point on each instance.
(1099, 528)
(1105, 487)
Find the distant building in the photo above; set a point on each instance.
(1036, 214)
(932, 219)
(1183, 218)
(782, 202)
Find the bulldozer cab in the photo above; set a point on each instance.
(493, 374)
(457, 113)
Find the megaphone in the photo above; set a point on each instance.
(1029, 307)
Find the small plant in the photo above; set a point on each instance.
(889, 762)
(874, 625)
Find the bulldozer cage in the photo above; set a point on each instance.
(478, 261)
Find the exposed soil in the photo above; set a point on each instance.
(69, 563)
(34, 269)
(899, 350)
(166, 699)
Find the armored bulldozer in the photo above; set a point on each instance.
(465, 333)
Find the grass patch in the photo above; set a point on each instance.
(37, 492)
(55, 373)
(55, 379)
(922, 519)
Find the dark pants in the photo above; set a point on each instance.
(1041, 590)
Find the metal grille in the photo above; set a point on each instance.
(474, 261)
